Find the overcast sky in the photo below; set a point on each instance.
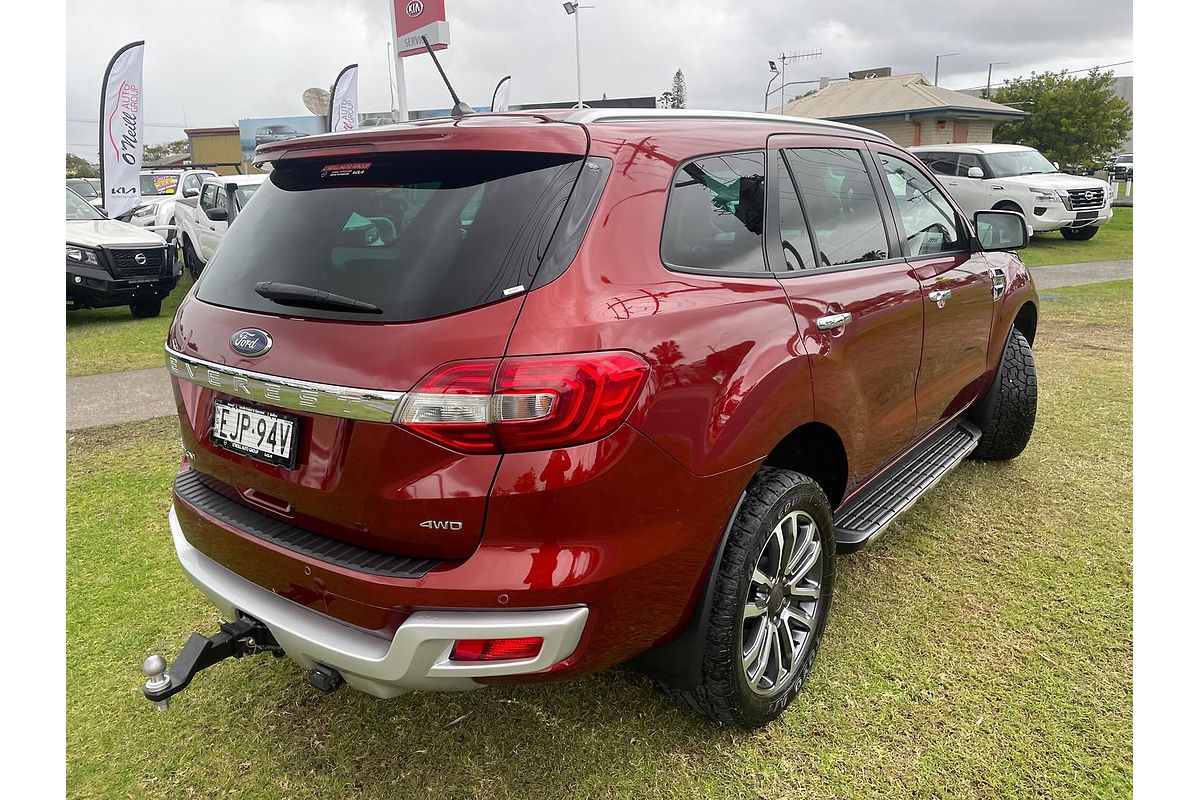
(213, 62)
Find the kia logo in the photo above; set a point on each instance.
(140, 259)
(250, 342)
(415, 8)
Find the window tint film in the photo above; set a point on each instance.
(930, 224)
(417, 234)
(841, 206)
(941, 163)
(715, 214)
(793, 229)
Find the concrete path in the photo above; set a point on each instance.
(112, 397)
(106, 399)
(1079, 274)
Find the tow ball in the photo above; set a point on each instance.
(243, 637)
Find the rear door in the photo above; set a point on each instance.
(955, 284)
(858, 309)
(205, 228)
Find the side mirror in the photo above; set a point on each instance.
(1000, 230)
(218, 214)
(974, 172)
(1055, 163)
(191, 192)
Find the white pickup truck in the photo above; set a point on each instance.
(1017, 178)
(161, 188)
(204, 217)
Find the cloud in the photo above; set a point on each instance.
(212, 62)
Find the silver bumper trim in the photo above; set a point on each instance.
(418, 658)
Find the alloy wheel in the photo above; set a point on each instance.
(780, 612)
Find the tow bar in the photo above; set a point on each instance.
(244, 637)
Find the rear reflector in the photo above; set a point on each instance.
(496, 649)
(525, 403)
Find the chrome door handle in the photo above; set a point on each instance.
(939, 296)
(833, 321)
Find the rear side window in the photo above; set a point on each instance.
(841, 205)
(715, 214)
(418, 235)
(941, 163)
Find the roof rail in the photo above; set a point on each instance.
(587, 116)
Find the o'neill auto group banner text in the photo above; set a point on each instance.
(121, 126)
(343, 101)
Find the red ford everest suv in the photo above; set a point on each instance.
(518, 397)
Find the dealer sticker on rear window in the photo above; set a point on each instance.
(345, 169)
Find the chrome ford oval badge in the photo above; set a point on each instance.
(250, 342)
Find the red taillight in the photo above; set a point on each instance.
(525, 403)
(496, 649)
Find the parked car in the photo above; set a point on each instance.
(160, 188)
(111, 263)
(275, 133)
(507, 399)
(87, 188)
(1122, 168)
(203, 220)
(1017, 178)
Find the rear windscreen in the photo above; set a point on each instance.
(418, 234)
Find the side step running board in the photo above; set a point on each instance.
(865, 515)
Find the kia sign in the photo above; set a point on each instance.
(417, 18)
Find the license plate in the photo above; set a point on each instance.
(263, 435)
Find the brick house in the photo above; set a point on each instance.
(906, 108)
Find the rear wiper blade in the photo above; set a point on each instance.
(290, 294)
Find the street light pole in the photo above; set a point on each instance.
(572, 8)
(937, 63)
(988, 90)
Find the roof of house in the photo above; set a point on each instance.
(892, 96)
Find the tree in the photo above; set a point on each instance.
(80, 168)
(1071, 120)
(677, 96)
(167, 151)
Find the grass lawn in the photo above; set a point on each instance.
(982, 648)
(111, 340)
(1113, 241)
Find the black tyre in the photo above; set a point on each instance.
(770, 604)
(144, 309)
(1007, 412)
(190, 259)
(1079, 234)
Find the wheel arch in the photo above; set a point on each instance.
(1026, 320)
(813, 449)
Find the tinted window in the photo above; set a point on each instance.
(82, 188)
(222, 199)
(841, 206)
(941, 163)
(715, 214)
(208, 197)
(966, 161)
(388, 229)
(793, 228)
(930, 224)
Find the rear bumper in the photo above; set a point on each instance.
(417, 658)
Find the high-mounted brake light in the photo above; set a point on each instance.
(525, 403)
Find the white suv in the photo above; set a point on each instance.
(1018, 178)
